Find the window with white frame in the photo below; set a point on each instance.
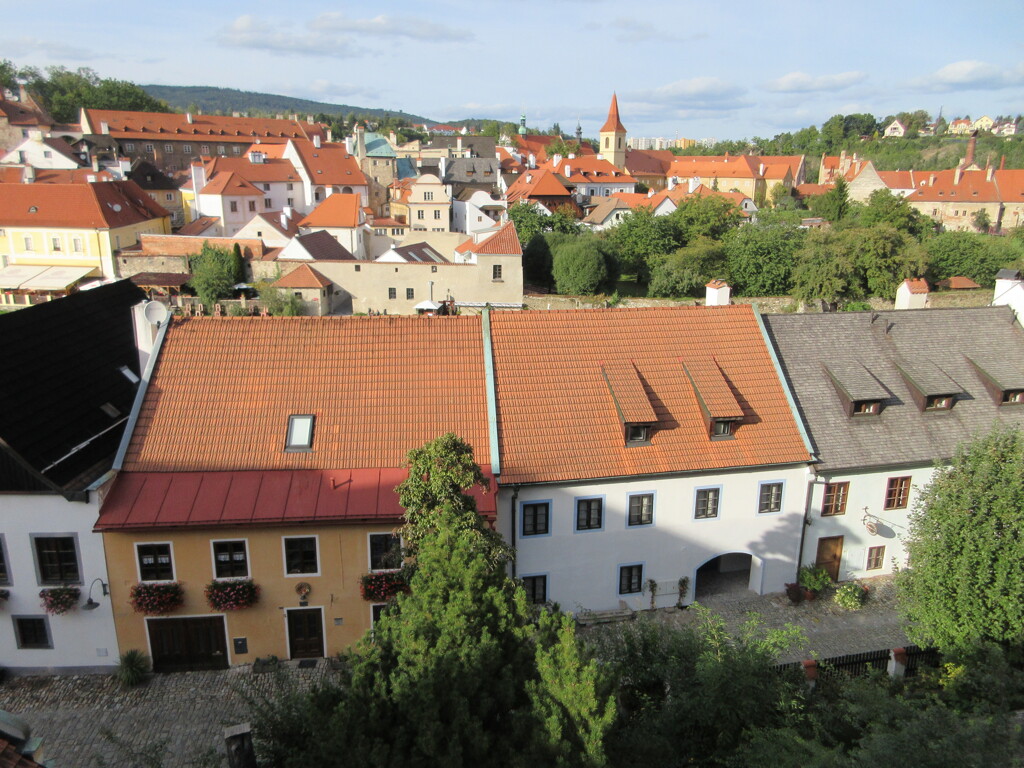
(385, 552)
(155, 562)
(230, 559)
(706, 504)
(300, 555)
(299, 437)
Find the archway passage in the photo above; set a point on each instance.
(724, 576)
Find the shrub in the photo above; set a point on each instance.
(813, 578)
(156, 599)
(131, 668)
(850, 596)
(232, 595)
(58, 600)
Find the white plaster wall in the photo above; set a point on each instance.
(583, 566)
(866, 494)
(81, 639)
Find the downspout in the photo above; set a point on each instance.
(515, 522)
(133, 417)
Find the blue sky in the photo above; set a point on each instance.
(680, 68)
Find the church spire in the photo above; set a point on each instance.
(613, 123)
(613, 137)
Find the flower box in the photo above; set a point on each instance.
(156, 598)
(232, 595)
(58, 600)
(382, 586)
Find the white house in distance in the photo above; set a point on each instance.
(895, 130)
(663, 448)
(342, 216)
(885, 395)
(476, 211)
(43, 153)
(57, 448)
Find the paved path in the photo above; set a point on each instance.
(190, 710)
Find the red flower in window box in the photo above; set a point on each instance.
(232, 595)
(58, 600)
(382, 586)
(156, 599)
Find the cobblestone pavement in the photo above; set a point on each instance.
(189, 710)
(186, 710)
(829, 630)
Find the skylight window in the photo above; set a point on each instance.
(300, 433)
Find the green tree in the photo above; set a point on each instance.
(825, 268)
(884, 257)
(883, 207)
(686, 271)
(213, 274)
(63, 92)
(966, 546)
(581, 267)
(529, 221)
(976, 256)
(538, 257)
(981, 220)
(639, 236)
(278, 302)
(832, 205)
(760, 258)
(703, 216)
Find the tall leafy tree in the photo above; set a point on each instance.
(685, 271)
(966, 546)
(640, 236)
(708, 216)
(584, 266)
(214, 272)
(832, 205)
(760, 257)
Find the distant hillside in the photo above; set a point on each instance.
(227, 100)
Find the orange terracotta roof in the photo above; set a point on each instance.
(941, 186)
(103, 205)
(18, 113)
(537, 145)
(338, 210)
(559, 423)
(581, 170)
(1011, 184)
(958, 283)
(648, 162)
(916, 284)
(719, 167)
(901, 179)
(14, 174)
(504, 242)
(303, 276)
(217, 128)
(330, 164)
(272, 169)
(230, 185)
(536, 183)
(613, 123)
(679, 194)
(509, 163)
(792, 162)
(199, 226)
(628, 393)
(392, 397)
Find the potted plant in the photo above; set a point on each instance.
(58, 600)
(850, 596)
(795, 593)
(232, 595)
(684, 590)
(156, 598)
(652, 587)
(381, 586)
(265, 664)
(813, 579)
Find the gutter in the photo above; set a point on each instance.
(785, 384)
(492, 399)
(140, 395)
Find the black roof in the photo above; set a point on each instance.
(64, 396)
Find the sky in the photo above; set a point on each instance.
(679, 68)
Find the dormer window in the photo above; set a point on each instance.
(1013, 397)
(300, 433)
(638, 434)
(938, 403)
(722, 428)
(867, 407)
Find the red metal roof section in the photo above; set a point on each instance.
(145, 500)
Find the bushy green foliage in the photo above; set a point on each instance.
(538, 257)
(277, 302)
(760, 258)
(832, 205)
(966, 546)
(214, 273)
(686, 271)
(850, 596)
(972, 255)
(707, 216)
(883, 207)
(640, 237)
(813, 578)
(132, 668)
(584, 266)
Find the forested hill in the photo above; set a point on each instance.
(227, 100)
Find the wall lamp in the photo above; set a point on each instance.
(91, 604)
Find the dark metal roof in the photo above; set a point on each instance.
(930, 349)
(62, 362)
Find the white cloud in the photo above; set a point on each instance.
(391, 26)
(51, 49)
(698, 95)
(801, 82)
(323, 89)
(249, 32)
(969, 76)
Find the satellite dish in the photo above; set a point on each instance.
(155, 312)
(117, 207)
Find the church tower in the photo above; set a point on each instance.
(613, 137)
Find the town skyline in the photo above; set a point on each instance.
(678, 70)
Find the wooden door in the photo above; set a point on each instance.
(305, 633)
(181, 645)
(830, 555)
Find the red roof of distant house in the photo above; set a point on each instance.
(230, 185)
(648, 162)
(583, 170)
(199, 226)
(958, 283)
(303, 276)
(941, 186)
(103, 205)
(157, 126)
(504, 242)
(916, 284)
(330, 165)
(809, 190)
(14, 174)
(272, 169)
(613, 123)
(338, 210)
(538, 182)
(719, 166)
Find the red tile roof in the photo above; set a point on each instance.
(504, 242)
(378, 386)
(199, 226)
(272, 169)
(14, 174)
(958, 283)
(718, 166)
(916, 284)
(330, 164)
(230, 185)
(338, 210)
(942, 186)
(581, 170)
(141, 500)
(303, 276)
(158, 126)
(560, 422)
(648, 162)
(613, 123)
(536, 183)
(103, 205)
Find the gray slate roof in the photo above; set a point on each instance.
(877, 355)
(473, 170)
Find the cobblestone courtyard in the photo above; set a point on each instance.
(189, 710)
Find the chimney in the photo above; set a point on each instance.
(957, 173)
(692, 184)
(294, 118)
(91, 179)
(236, 114)
(568, 171)
(989, 170)
(316, 140)
(198, 179)
(288, 212)
(393, 138)
(556, 161)
(95, 164)
(104, 127)
(458, 145)
(760, 170)
(360, 142)
(279, 117)
(28, 175)
(931, 180)
(309, 119)
(443, 163)
(532, 161)
(1002, 163)
(717, 294)
(188, 118)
